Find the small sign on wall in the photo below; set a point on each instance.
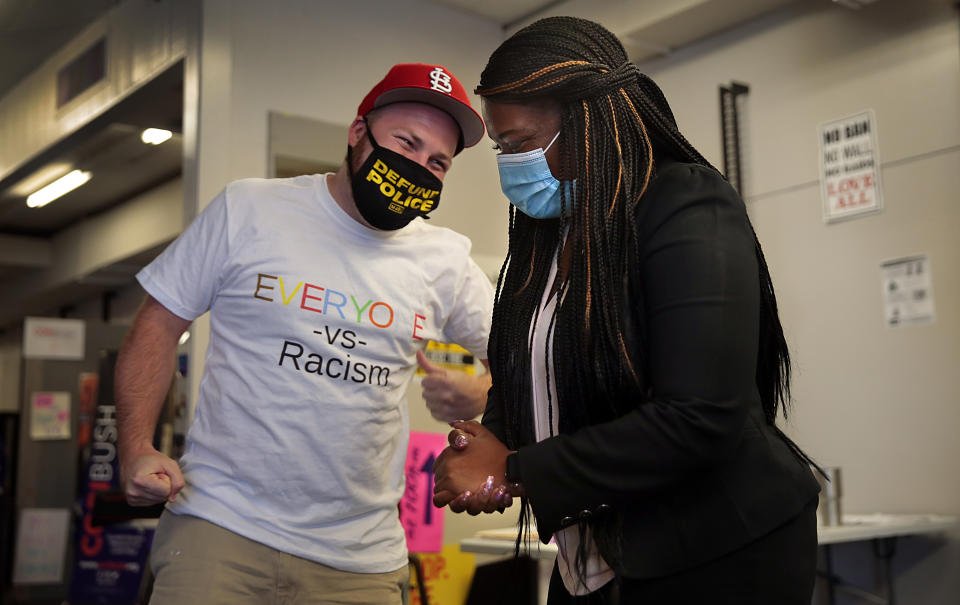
(53, 338)
(41, 546)
(50, 415)
(908, 291)
(849, 167)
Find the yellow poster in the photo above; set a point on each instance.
(447, 576)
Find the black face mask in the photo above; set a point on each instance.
(391, 190)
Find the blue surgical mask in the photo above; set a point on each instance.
(526, 180)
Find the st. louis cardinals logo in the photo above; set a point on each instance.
(440, 80)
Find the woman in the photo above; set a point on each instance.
(637, 356)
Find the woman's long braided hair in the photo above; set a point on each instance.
(614, 119)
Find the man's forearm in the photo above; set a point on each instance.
(143, 374)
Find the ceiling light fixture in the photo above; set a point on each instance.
(155, 136)
(47, 174)
(59, 187)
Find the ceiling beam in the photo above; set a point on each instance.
(24, 251)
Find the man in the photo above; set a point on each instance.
(323, 290)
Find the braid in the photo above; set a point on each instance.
(617, 117)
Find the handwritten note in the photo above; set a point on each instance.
(422, 522)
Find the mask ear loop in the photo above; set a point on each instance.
(372, 140)
(552, 141)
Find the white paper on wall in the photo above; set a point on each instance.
(908, 291)
(41, 546)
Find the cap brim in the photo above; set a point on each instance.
(471, 125)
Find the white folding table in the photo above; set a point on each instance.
(882, 529)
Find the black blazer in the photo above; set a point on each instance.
(693, 472)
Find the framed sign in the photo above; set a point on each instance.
(849, 167)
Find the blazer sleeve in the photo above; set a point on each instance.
(493, 416)
(699, 281)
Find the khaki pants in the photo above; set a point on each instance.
(195, 561)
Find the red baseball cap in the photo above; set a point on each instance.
(430, 84)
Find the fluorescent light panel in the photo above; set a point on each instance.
(155, 136)
(59, 187)
(41, 177)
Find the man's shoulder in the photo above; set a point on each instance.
(258, 188)
(427, 234)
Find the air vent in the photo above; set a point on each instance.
(82, 73)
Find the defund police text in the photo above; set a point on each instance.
(400, 190)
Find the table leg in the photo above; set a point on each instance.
(830, 578)
(883, 550)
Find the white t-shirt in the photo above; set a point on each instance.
(301, 426)
(546, 423)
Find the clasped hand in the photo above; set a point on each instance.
(469, 474)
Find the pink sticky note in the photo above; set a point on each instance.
(422, 522)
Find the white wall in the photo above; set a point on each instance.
(312, 59)
(318, 60)
(882, 403)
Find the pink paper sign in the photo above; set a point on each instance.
(422, 522)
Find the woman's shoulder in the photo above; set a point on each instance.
(673, 174)
(685, 185)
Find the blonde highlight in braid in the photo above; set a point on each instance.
(616, 138)
(646, 140)
(540, 72)
(586, 202)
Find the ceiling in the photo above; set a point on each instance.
(109, 146)
(32, 30)
(648, 29)
(111, 149)
(505, 12)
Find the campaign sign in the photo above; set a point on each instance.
(422, 522)
(108, 559)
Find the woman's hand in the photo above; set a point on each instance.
(469, 475)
